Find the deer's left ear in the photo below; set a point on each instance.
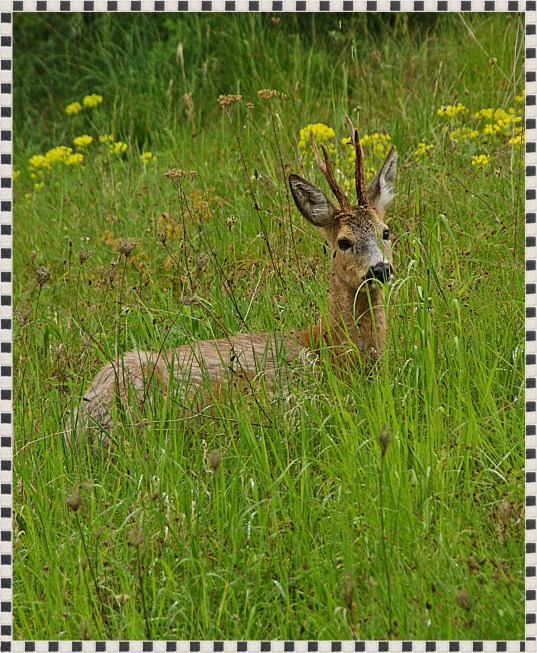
(312, 202)
(380, 190)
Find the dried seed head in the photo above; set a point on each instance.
(83, 255)
(174, 173)
(463, 599)
(226, 100)
(189, 104)
(504, 511)
(74, 500)
(42, 275)
(249, 106)
(135, 537)
(384, 439)
(267, 94)
(162, 236)
(347, 594)
(112, 266)
(215, 458)
(126, 245)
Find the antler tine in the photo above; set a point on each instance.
(326, 168)
(359, 170)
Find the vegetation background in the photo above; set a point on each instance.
(371, 508)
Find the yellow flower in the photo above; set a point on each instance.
(92, 100)
(376, 143)
(106, 138)
(491, 129)
(463, 133)
(147, 156)
(451, 110)
(321, 132)
(39, 186)
(118, 148)
(74, 159)
(422, 149)
(519, 99)
(58, 154)
(480, 160)
(517, 140)
(16, 174)
(38, 161)
(73, 108)
(83, 141)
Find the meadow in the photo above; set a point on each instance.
(388, 506)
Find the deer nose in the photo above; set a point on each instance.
(381, 272)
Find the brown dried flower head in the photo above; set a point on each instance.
(83, 255)
(174, 174)
(267, 94)
(226, 100)
(384, 439)
(126, 245)
(42, 275)
(135, 537)
(74, 500)
(215, 458)
(249, 106)
(112, 266)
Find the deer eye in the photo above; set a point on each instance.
(386, 234)
(344, 244)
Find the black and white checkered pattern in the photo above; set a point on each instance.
(6, 8)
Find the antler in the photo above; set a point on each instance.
(359, 171)
(326, 168)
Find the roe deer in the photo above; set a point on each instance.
(361, 264)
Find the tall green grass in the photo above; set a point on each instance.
(388, 506)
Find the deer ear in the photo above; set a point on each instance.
(380, 190)
(312, 202)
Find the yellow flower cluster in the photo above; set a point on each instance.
(106, 138)
(519, 99)
(519, 139)
(147, 156)
(73, 108)
(118, 148)
(375, 143)
(480, 160)
(89, 101)
(451, 110)
(81, 142)
(463, 132)
(322, 134)
(92, 100)
(422, 149)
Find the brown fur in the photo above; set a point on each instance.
(356, 326)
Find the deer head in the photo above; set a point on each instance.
(358, 237)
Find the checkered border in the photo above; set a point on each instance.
(6, 9)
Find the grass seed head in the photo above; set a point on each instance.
(135, 537)
(42, 275)
(74, 500)
(504, 511)
(215, 458)
(384, 439)
(463, 599)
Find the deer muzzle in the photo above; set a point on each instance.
(382, 272)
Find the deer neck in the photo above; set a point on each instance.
(357, 318)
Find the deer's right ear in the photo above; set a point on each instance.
(312, 202)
